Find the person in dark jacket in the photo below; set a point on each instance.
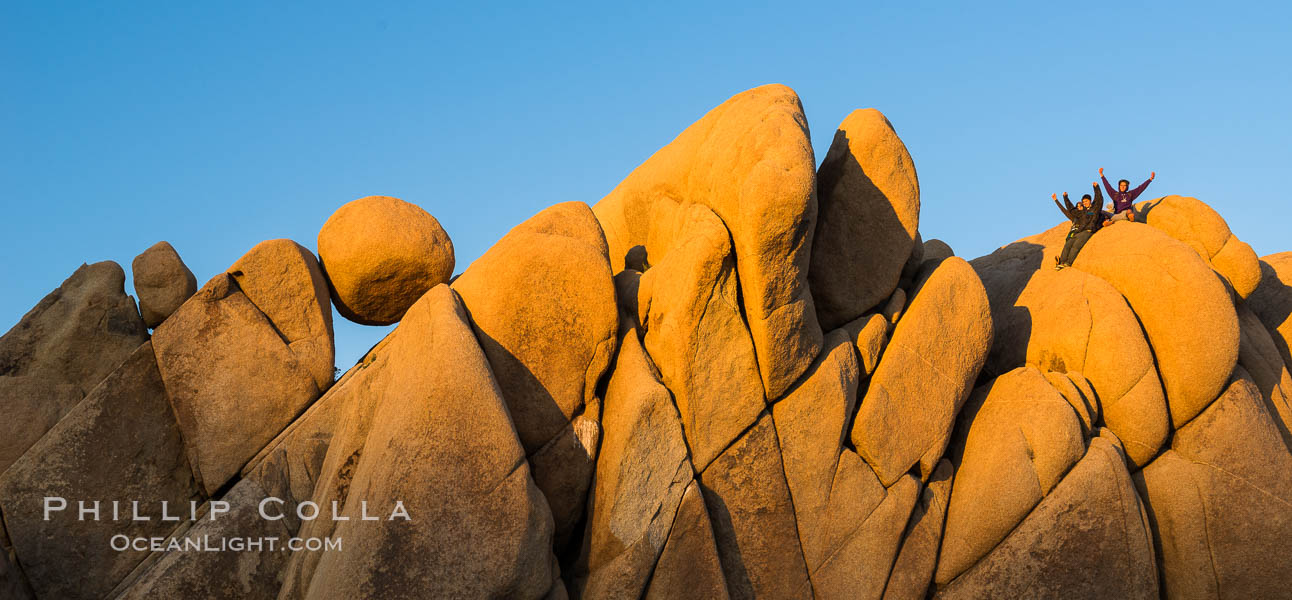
(1087, 218)
(1124, 197)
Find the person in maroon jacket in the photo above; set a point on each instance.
(1123, 197)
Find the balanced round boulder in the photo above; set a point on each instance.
(380, 255)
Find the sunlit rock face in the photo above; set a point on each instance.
(381, 254)
(737, 375)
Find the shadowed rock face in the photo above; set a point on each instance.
(918, 555)
(13, 584)
(753, 518)
(440, 441)
(1272, 301)
(735, 376)
(542, 304)
(642, 473)
(1258, 355)
(60, 350)
(216, 575)
(121, 444)
(162, 281)
(868, 214)
(77, 334)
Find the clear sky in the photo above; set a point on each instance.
(217, 125)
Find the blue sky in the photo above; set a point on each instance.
(216, 127)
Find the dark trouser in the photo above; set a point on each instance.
(1073, 246)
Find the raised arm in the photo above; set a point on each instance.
(1140, 190)
(1061, 209)
(1107, 186)
(1099, 196)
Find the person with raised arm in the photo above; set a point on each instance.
(1123, 197)
(1087, 218)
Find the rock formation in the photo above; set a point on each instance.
(60, 350)
(381, 254)
(542, 304)
(245, 356)
(162, 281)
(868, 214)
(735, 376)
(750, 162)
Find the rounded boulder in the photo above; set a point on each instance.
(162, 281)
(868, 213)
(380, 254)
(1016, 439)
(1195, 223)
(1185, 310)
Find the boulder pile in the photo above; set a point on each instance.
(738, 375)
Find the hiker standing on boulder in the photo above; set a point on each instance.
(1087, 217)
(1124, 197)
